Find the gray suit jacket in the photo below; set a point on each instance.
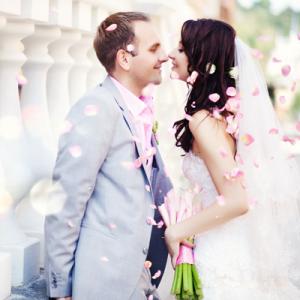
(96, 245)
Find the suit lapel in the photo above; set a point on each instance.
(108, 84)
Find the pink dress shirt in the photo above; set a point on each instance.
(141, 110)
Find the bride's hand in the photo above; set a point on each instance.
(172, 244)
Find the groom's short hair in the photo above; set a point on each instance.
(115, 33)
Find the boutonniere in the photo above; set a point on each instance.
(154, 131)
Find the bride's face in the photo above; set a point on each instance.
(179, 63)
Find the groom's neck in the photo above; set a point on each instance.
(128, 83)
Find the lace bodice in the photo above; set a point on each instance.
(197, 173)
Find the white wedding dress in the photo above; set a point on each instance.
(227, 259)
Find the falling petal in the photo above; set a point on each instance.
(21, 79)
(111, 27)
(214, 97)
(252, 203)
(287, 139)
(298, 35)
(282, 99)
(231, 91)
(273, 131)
(104, 258)
(193, 105)
(285, 70)
(67, 127)
(223, 152)
(174, 75)
(247, 139)
(188, 117)
(91, 110)
(220, 200)
(150, 297)
(234, 73)
(255, 92)
(147, 264)
(192, 78)
(112, 226)
(75, 151)
(216, 114)
(151, 221)
(157, 274)
(239, 159)
(276, 60)
(293, 87)
(233, 174)
(298, 126)
(130, 47)
(70, 224)
(153, 206)
(147, 187)
(211, 68)
(160, 224)
(233, 105)
(257, 54)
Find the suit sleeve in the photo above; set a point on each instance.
(81, 153)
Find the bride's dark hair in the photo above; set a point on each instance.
(206, 42)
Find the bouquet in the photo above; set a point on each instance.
(186, 282)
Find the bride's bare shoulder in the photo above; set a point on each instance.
(203, 121)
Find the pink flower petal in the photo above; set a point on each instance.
(282, 99)
(188, 117)
(223, 152)
(273, 131)
(157, 274)
(231, 91)
(160, 224)
(287, 139)
(70, 224)
(192, 78)
(214, 97)
(130, 47)
(255, 92)
(239, 159)
(256, 165)
(75, 151)
(21, 79)
(112, 226)
(247, 139)
(298, 126)
(293, 87)
(147, 264)
(147, 187)
(111, 27)
(150, 297)
(276, 60)
(233, 105)
(67, 126)
(216, 114)
(153, 206)
(285, 70)
(91, 110)
(298, 35)
(104, 258)
(220, 200)
(193, 105)
(257, 54)
(151, 221)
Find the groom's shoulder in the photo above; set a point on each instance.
(95, 102)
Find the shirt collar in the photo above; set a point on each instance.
(133, 103)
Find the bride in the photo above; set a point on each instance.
(247, 231)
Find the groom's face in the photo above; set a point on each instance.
(145, 67)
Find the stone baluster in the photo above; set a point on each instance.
(16, 178)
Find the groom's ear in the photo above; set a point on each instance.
(123, 59)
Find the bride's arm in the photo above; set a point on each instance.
(210, 137)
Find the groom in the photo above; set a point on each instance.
(109, 176)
